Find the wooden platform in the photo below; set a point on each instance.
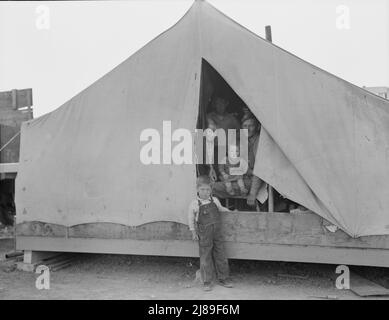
(248, 235)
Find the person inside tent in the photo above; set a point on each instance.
(246, 113)
(210, 143)
(258, 187)
(252, 183)
(221, 118)
(253, 127)
(232, 170)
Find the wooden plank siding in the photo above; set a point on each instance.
(238, 227)
(16, 99)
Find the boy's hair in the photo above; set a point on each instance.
(201, 180)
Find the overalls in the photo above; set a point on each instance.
(211, 246)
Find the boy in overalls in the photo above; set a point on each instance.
(204, 222)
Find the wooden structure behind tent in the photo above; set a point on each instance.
(15, 107)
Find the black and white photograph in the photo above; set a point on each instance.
(207, 152)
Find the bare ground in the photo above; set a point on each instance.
(94, 276)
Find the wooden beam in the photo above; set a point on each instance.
(271, 199)
(177, 248)
(9, 167)
(13, 118)
(270, 188)
(235, 250)
(268, 34)
(14, 99)
(35, 256)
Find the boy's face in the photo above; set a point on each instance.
(204, 191)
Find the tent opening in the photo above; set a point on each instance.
(212, 88)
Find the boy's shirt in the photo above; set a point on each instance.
(193, 211)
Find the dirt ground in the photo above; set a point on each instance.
(94, 276)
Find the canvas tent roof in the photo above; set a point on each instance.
(324, 142)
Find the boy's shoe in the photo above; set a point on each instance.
(207, 286)
(225, 283)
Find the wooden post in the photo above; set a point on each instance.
(271, 199)
(268, 34)
(270, 190)
(31, 256)
(14, 99)
(29, 103)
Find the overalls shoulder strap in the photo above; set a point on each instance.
(200, 204)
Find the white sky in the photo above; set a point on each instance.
(87, 39)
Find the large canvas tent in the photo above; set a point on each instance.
(324, 142)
